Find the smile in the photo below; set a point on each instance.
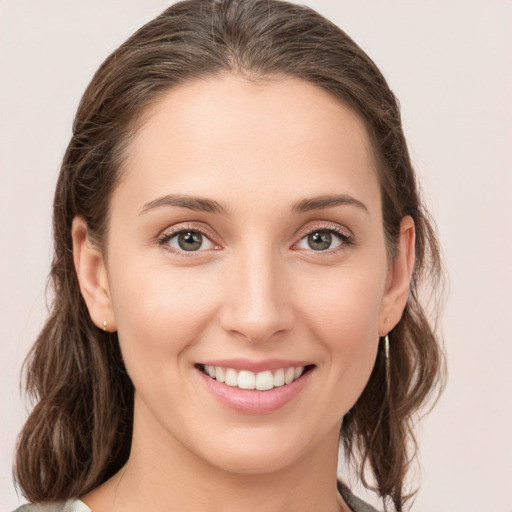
(255, 388)
(248, 380)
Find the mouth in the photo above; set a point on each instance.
(247, 380)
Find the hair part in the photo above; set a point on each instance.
(79, 433)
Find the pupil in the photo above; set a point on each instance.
(320, 241)
(190, 241)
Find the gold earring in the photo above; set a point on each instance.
(105, 323)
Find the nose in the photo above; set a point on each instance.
(258, 304)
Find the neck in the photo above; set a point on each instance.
(162, 474)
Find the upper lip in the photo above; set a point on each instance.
(255, 366)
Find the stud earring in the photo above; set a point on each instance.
(105, 323)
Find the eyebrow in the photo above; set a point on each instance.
(327, 201)
(210, 206)
(199, 204)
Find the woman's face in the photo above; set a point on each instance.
(246, 241)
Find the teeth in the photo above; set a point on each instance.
(246, 380)
(298, 372)
(279, 377)
(289, 375)
(231, 378)
(219, 374)
(262, 381)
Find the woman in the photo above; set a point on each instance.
(239, 243)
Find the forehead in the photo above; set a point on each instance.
(227, 134)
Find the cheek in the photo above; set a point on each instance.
(342, 314)
(159, 311)
(343, 304)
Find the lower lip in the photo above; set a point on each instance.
(253, 401)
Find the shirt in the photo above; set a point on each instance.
(355, 504)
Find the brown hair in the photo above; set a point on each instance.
(79, 432)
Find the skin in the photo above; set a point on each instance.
(257, 291)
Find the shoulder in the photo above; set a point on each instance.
(355, 503)
(56, 506)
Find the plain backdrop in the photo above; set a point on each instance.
(449, 63)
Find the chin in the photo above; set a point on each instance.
(253, 451)
(257, 460)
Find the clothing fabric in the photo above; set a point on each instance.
(58, 506)
(355, 504)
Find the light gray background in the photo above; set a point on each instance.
(449, 62)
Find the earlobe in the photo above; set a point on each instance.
(397, 286)
(92, 276)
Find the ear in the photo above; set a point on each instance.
(399, 278)
(92, 277)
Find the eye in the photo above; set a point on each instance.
(188, 240)
(323, 240)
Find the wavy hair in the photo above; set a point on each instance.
(79, 432)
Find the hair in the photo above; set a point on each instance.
(79, 432)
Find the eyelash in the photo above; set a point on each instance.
(164, 239)
(345, 239)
